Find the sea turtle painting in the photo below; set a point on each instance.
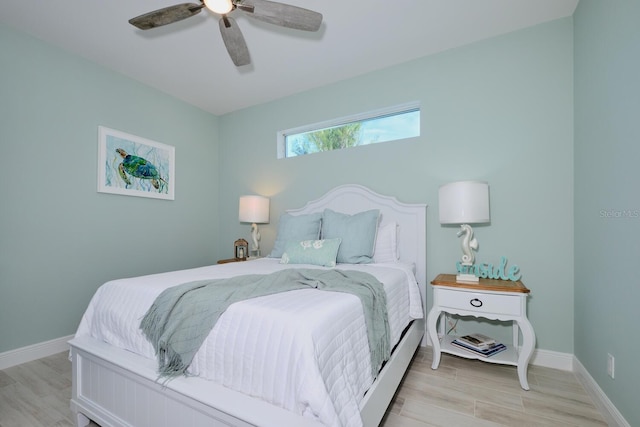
(138, 167)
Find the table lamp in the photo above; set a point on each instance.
(254, 209)
(464, 203)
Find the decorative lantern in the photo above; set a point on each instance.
(241, 249)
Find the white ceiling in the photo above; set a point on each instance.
(188, 59)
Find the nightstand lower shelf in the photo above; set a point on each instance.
(506, 357)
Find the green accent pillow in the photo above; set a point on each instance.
(315, 252)
(297, 228)
(358, 233)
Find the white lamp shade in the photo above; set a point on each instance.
(254, 209)
(464, 202)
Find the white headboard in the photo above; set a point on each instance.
(411, 218)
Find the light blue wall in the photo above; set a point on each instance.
(59, 238)
(499, 110)
(607, 202)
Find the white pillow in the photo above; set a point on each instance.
(386, 249)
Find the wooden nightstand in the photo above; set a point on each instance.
(226, 261)
(492, 299)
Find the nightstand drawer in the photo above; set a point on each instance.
(479, 302)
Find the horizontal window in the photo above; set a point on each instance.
(385, 125)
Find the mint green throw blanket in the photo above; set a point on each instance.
(182, 316)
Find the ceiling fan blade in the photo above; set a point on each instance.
(281, 14)
(234, 41)
(167, 15)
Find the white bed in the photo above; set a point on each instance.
(114, 376)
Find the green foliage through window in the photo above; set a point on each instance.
(371, 128)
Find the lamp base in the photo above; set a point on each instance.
(255, 237)
(467, 278)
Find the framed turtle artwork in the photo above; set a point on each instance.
(134, 166)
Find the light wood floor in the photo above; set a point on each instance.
(460, 393)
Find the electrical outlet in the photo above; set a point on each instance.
(611, 365)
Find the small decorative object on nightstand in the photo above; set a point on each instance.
(241, 248)
(503, 300)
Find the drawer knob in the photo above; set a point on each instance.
(476, 302)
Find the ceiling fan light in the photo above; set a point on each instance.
(221, 7)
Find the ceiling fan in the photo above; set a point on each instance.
(272, 12)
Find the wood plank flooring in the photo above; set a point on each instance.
(460, 393)
(464, 392)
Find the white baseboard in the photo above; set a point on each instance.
(33, 352)
(552, 359)
(613, 417)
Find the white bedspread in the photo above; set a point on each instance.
(304, 350)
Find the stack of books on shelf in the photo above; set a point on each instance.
(479, 344)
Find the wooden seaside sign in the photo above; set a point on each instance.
(489, 271)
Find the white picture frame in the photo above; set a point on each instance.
(130, 165)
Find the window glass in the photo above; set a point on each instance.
(370, 128)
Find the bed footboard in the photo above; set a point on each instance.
(116, 388)
(122, 392)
